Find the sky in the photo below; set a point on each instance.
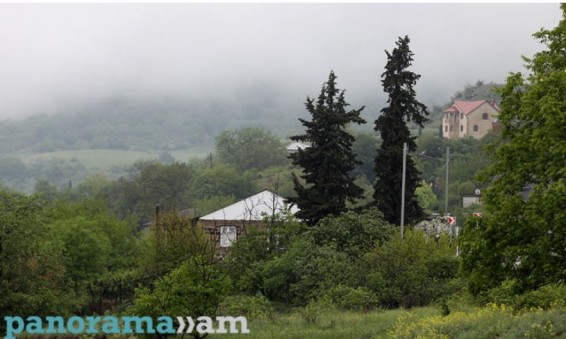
(54, 55)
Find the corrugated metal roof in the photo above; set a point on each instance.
(256, 207)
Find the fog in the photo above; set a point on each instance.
(54, 56)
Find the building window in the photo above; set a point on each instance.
(228, 235)
(485, 116)
(445, 128)
(476, 128)
(450, 128)
(461, 115)
(461, 128)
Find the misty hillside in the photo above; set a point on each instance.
(167, 124)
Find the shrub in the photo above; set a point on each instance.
(413, 271)
(306, 271)
(352, 299)
(353, 233)
(505, 293)
(251, 307)
(546, 297)
(315, 310)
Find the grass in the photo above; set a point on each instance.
(426, 322)
(106, 158)
(491, 321)
(332, 325)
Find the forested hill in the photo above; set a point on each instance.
(166, 124)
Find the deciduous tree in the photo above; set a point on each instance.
(523, 233)
(250, 148)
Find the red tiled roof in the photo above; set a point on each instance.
(466, 107)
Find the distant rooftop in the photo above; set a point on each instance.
(253, 208)
(466, 107)
(294, 147)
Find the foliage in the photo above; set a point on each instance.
(220, 180)
(412, 271)
(329, 160)
(87, 248)
(352, 299)
(277, 179)
(522, 237)
(196, 288)
(479, 91)
(174, 239)
(165, 124)
(315, 309)
(250, 148)
(545, 297)
(251, 307)
(425, 196)
(32, 267)
(22, 176)
(100, 251)
(190, 279)
(213, 203)
(365, 147)
(402, 107)
(150, 184)
(467, 158)
(305, 271)
(488, 322)
(250, 254)
(353, 233)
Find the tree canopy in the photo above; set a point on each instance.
(328, 162)
(523, 234)
(250, 148)
(398, 83)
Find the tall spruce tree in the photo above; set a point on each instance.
(328, 161)
(402, 107)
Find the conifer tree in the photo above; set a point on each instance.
(328, 161)
(402, 107)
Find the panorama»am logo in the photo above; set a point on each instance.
(92, 325)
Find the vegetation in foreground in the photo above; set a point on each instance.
(491, 321)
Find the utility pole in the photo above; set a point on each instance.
(446, 189)
(403, 189)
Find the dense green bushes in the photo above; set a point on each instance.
(251, 307)
(412, 271)
(545, 297)
(352, 299)
(356, 261)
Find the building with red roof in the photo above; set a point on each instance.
(469, 118)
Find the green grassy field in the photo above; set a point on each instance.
(373, 324)
(425, 322)
(105, 159)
